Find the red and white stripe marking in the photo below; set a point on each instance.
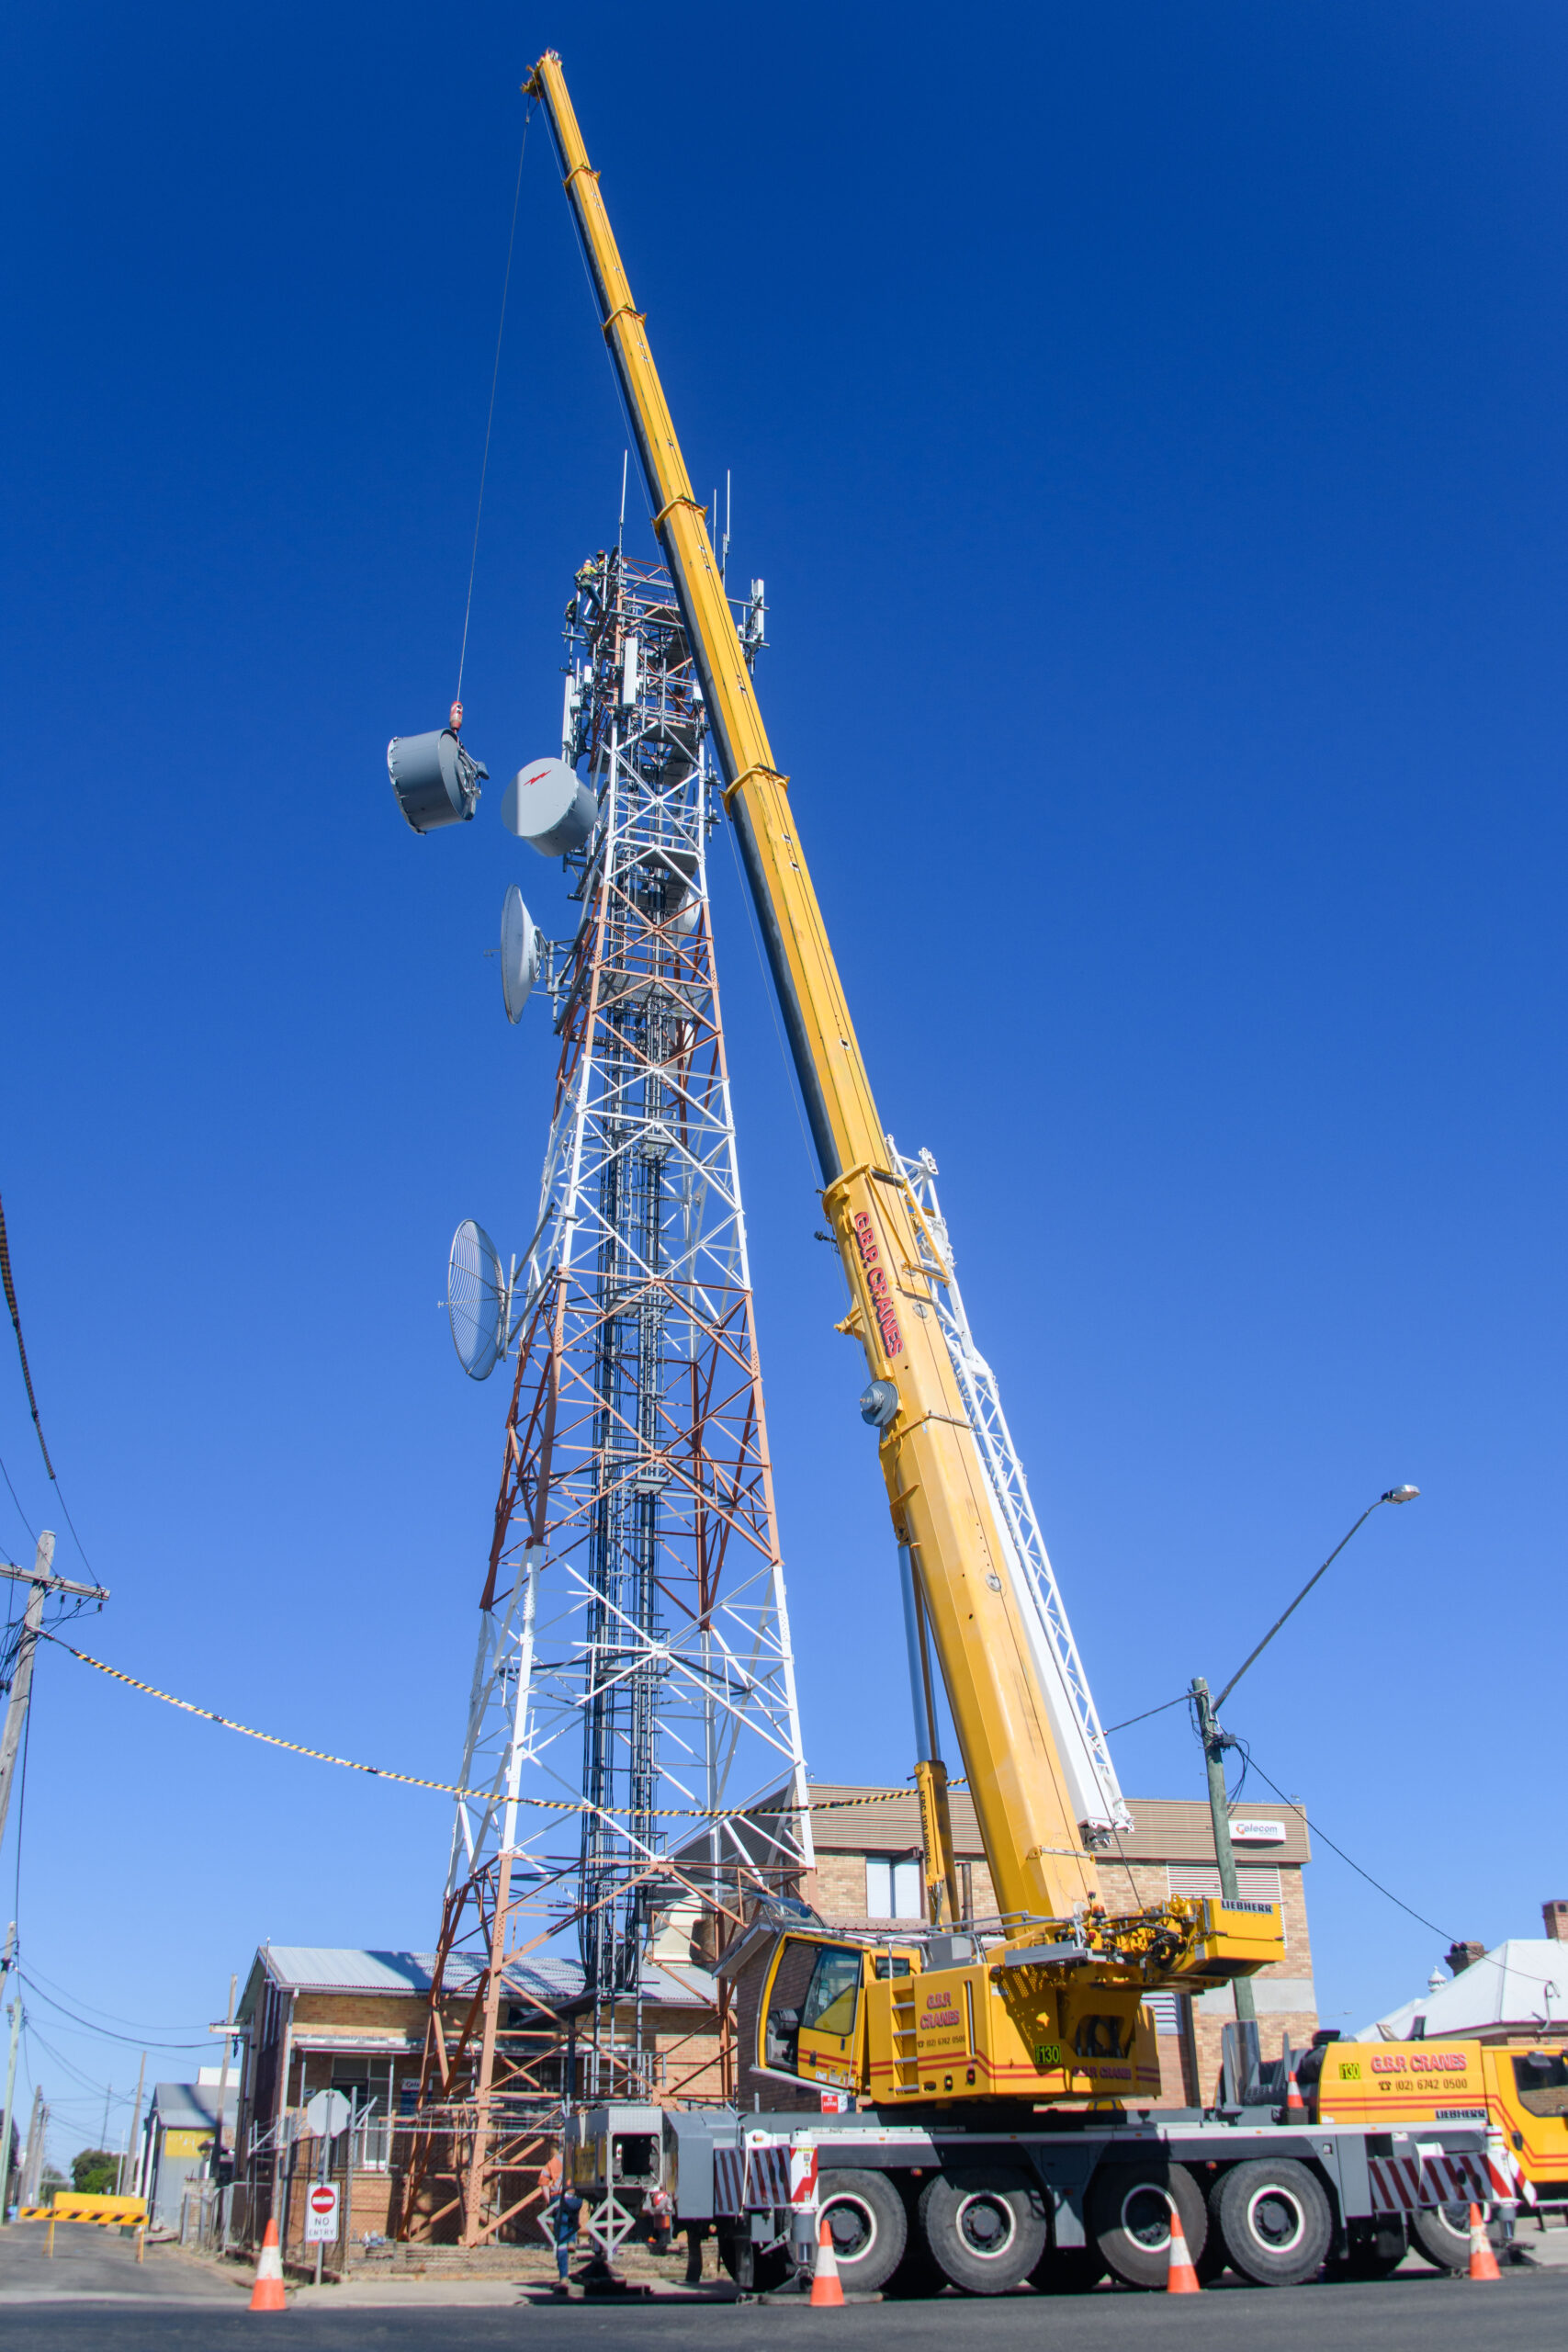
(1406, 2184)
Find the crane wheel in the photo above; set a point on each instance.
(1276, 2222)
(1129, 2218)
(869, 2224)
(985, 2225)
(770, 2263)
(1441, 2235)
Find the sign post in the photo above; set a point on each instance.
(322, 2219)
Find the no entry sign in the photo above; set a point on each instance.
(320, 2214)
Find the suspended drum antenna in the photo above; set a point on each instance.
(489, 420)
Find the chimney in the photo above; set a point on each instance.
(1556, 1918)
(1463, 1956)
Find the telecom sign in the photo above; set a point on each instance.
(321, 2213)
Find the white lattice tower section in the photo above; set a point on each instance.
(1102, 1808)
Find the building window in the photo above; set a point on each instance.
(1255, 1882)
(893, 1888)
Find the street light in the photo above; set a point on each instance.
(1216, 1741)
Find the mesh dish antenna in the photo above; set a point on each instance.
(478, 1300)
(519, 953)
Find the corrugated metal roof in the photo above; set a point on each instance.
(329, 1968)
(192, 2107)
(550, 1977)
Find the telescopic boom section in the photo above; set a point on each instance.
(937, 1484)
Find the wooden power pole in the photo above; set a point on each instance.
(44, 1581)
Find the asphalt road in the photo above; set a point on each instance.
(96, 2299)
(90, 2265)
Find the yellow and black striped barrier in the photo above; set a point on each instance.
(96, 2212)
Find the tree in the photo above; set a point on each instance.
(92, 2171)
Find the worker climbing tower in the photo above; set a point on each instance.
(633, 1748)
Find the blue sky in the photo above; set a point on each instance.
(1149, 426)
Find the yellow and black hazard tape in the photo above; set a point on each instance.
(450, 1788)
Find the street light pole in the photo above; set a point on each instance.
(1215, 1741)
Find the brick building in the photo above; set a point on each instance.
(353, 2022)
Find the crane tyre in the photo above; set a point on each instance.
(1068, 2270)
(1441, 2233)
(770, 2263)
(1129, 2218)
(869, 2224)
(985, 2226)
(1275, 2219)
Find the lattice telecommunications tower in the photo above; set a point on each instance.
(633, 1697)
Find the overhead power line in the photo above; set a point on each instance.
(21, 1344)
(10, 1286)
(1398, 1901)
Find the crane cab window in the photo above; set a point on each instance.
(833, 1995)
(781, 2029)
(814, 1990)
(1541, 2077)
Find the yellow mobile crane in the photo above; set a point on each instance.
(1053, 2008)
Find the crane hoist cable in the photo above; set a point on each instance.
(489, 420)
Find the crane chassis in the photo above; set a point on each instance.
(988, 2201)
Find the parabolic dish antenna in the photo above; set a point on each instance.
(519, 953)
(476, 1300)
(548, 805)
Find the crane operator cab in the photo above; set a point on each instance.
(1038, 2021)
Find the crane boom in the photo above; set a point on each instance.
(938, 1488)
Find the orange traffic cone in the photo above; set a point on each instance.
(268, 2294)
(1296, 2106)
(1180, 2279)
(1483, 2261)
(826, 2292)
